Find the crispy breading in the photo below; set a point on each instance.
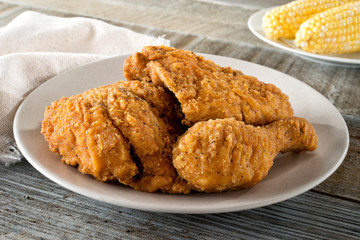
(226, 154)
(142, 130)
(80, 131)
(163, 104)
(132, 131)
(206, 90)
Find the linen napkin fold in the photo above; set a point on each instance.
(35, 47)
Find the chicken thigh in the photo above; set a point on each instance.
(206, 90)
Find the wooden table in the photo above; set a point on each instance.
(32, 207)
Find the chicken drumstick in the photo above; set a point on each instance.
(226, 154)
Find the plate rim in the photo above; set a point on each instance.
(328, 59)
(155, 208)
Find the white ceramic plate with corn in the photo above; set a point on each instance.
(328, 34)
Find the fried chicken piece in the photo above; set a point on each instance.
(80, 131)
(226, 154)
(139, 125)
(163, 104)
(148, 136)
(206, 90)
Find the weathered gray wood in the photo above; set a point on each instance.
(209, 28)
(32, 207)
(345, 182)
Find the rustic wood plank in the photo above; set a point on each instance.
(8, 12)
(224, 21)
(247, 3)
(345, 182)
(32, 207)
(27, 197)
(341, 183)
(339, 84)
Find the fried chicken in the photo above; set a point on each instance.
(206, 90)
(226, 154)
(120, 131)
(80, 131)
(132, 132)
(163, 104)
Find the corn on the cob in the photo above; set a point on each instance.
(336, 30)
(284, 21)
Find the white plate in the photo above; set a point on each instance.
(292, 174)
(348, 60)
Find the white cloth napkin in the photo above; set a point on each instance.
(35, 47)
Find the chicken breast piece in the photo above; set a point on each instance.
(226, 154)
(206, 90)
(162, 103)
(146, 138)
(80, 130)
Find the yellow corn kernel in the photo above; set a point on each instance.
(284, 21)
(334, 31)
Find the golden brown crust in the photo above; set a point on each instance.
(80, 131)
(138, 127)
(127, 130)
(163, 104)
(206, 90)
(226, 154)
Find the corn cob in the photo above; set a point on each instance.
(336, 30)
(284, 21)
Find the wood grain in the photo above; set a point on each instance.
(208, 28)
(32, 207)
(345, 182)
(27, 196)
